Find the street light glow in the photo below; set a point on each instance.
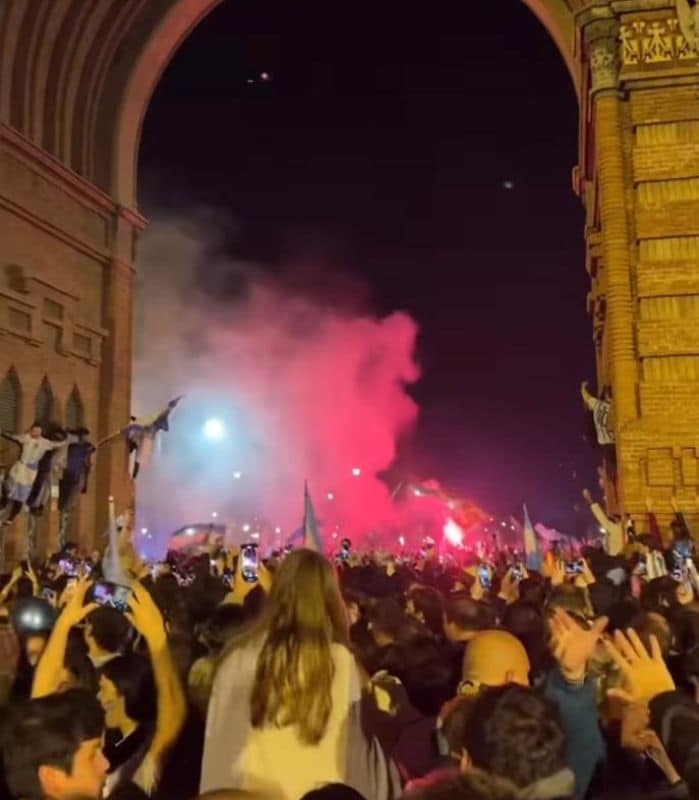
(356, 472)
(214, 429)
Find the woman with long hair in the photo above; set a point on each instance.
(284, 711)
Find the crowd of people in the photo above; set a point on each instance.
(372, 675)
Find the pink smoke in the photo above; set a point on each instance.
(308, 391)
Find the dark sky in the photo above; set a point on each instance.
(381, 146)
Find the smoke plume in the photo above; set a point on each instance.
(306, 388)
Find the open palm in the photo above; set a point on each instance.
(572, 645)
(645, 674)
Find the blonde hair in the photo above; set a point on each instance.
(304, 615)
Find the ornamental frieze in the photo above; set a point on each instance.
(658, 41)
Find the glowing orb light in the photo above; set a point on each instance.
(356, 472)
(453, 533)
(331, 496)
(214, 429)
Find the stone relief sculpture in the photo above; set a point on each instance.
(688, 15)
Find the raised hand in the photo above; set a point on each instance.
(75, 609)
(145, 616)
(572, 645)
(558, 573)
(645, 674)
(509, 588)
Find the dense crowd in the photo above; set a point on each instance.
(370, 675)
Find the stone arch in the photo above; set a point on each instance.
(184, 16)
(75, 410)
(44, 404)
(76, 78)
(11, 402)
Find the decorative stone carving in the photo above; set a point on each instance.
(688, 20)
(658, 41)
(602, 41)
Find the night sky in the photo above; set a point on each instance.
(383, 146)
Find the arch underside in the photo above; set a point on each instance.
(76, 77)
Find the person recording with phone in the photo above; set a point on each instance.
(140, 732)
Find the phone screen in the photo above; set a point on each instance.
(250, 562)
(484, 576)
(67, 566)
(112, 595)
(573, 568)
(49, 595)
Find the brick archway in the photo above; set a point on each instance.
(75, 82)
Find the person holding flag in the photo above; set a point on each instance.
(140, 435)
(532, 551)
(311, 534)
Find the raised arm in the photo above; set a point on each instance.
(48, 671)
(108, 438)
(10, 585)
(147, 620)
(615, 530)
(588, 398)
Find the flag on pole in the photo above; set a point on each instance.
(532, 553)
(311, 536)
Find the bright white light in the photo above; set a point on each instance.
(453, 533)
(237, 475)
(255, 535)
(214, 514)
(356, 472)
(602, 530)
(277, 530)
(189, 531)
(401, 541)
(246, 528)
(264, 76)
(504, 524)
(144, 531)
(214, 429)
(417, 493)
(331, 496)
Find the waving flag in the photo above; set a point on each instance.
(532, 553)
(311, 536)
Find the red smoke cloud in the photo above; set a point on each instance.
(306, 390)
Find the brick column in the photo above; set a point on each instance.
(116, 368)
(601, 41)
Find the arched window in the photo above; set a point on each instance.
(75, 411)
(43, 407)
(10, 402)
